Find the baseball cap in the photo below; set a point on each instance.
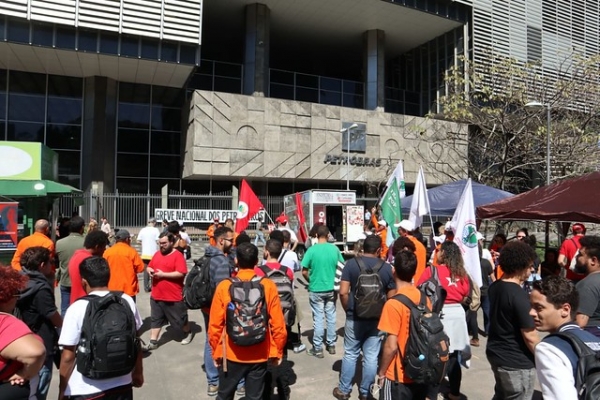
(122, 234)
(406, 225)
(448, 226)
(282, 219)
(578, 228)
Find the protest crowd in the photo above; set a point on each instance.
(411, 310)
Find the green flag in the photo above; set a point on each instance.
(391, 209)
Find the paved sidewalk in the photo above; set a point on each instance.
(174, 372)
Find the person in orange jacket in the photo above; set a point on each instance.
(125, 263)
(381, 231)
(249, 362)
(210, 232)
(38, 238)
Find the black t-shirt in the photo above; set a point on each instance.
(486, 271)
(351, 272)
(509, 313)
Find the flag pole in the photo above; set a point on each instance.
(270, 219)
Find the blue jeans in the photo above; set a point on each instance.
(360, 334)
(322, 305)
(212, 372)
(260, 236)
(45, 376)
(65, 299)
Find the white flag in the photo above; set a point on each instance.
(465, 233)
(420, 201)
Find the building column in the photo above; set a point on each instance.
(99, 134)
(256, 49)
(374, 67)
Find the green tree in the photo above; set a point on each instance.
(503, 141)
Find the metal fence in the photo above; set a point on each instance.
(133, 209)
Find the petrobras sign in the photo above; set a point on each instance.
(200, 216)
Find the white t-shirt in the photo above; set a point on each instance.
(290, 260)
(293, 236)
(185, 237)
(70, 335)
(149, 238)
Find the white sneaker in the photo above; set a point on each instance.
(299, 348)
(188, 338)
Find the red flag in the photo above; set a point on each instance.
(301, 220)
(248, 207)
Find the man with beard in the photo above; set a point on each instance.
(588, 261)
(167, 270)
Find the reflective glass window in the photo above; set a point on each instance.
(150, 49)
(156, 185)
(63, 136)
(187, 54)
(42, 34)
(309, 81)
(65, 37)
(133, 140)
(134, 116)
(134, 165)
(26, 82)
(134, 93)
(205, 67)
(353, 101)
(331, 98)
(310, 95)
(331, 84)
(18, 31)
(282, 91)
(25, 132)
(64, 111)
(168, 51)
(282, 77)
(2, 27)
(165, 142)
(69, 162)
(23, 107)
(353, 87)
(129, 46)
(3, 130)
(168, 96)
(65, 86)
(203, 82)
(228, 85)
(229, 70)
(87, 41)
(125, 185)
(109, 43)
(166, 119)
(165, 167)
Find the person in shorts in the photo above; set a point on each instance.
(167, 270)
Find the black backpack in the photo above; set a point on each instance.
(285, 290)
(369, 293)
(587, 375)
(246, 317)
(197, 289)
(108, 346)
(427, 348)
(433, 289)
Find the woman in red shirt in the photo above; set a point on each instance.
(22, 353)
(453, 277)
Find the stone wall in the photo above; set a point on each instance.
(232, 135)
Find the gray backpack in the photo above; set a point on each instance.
(369, 294)
(285, 289)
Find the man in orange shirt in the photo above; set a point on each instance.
(234, 361)
(38, 238)
(125, 263)
(405, 228)
(395, 321)
(381, 231)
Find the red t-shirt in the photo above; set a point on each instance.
(568, 249)
(77, 291)
(11, 329)
(456, 290)
(275, 265)
(168, 289)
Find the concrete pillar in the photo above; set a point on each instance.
(374, 67)
(256, 49)
(99, 133)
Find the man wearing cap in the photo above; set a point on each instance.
(567, 251)
(282, 225)
(211, 232)
(405, 228)
(124, 263)
(148, 237)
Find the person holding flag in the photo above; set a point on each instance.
(249, 205)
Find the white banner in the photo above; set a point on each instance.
(355, 223)
(339, 198)
(200, 216)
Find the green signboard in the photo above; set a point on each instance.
(27, 161)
